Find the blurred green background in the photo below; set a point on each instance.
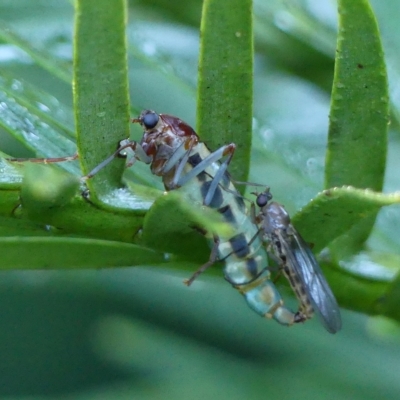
(140, 333)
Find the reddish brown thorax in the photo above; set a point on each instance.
(161, 139)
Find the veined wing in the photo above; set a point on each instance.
(303, 263)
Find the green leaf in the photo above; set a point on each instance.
(58, 68)
(290, 140)
(174, 224)
(11, 226)
(40, 103)
(34, 133)
(355, 291)
(334, 211)
(9, 202)
(81, 217)
(225, 81)
(55, 253)
(47, 197)
(389, 303)
(55, 198)
(357, 140)
(11, 174)
(45, 187)
(100, 87)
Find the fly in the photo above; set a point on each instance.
(298, 263)
(176, 154)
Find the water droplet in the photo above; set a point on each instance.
(9, 173)
(123, 198)
(43, 107)
(17, 85)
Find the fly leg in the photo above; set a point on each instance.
(225, 151)
(49, 160)
(179, 159)
(182, 155)
(213, 258)
(138, 153)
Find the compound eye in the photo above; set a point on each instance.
(263, 199)
(150, 120)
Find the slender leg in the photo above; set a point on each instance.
(213, 258)
(124, 144)
(45, 160)
(180, 179)
(100, 166)
(180, 156)
(219, 175)
(181, 165)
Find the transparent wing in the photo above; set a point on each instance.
(303, 263)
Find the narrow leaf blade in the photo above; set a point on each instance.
(359, 113)
(58, 253)
(100, 87)
(225, 89)
(338, 210)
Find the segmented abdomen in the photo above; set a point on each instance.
(244, 262)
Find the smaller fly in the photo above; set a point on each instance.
(297, 263)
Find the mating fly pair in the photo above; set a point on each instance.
(175, 152)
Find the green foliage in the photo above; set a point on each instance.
(359, 115)
(357, 140)
(225, 87)
(339, 209)
(63, 253)
(100, 87)
(356, 143)
(48, 221)
(174, 234)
